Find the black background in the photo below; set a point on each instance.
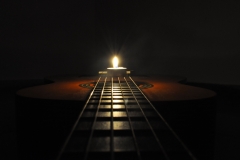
(196, 39)
(199, 40)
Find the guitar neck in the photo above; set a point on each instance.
(119, 121)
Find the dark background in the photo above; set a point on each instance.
(199, 40)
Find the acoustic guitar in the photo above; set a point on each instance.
(115, 118)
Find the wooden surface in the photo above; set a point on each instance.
(164, 89)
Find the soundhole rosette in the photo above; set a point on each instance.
(141, 85)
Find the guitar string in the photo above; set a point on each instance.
(130, 122)
(78, 119)
(94, 122)
(150, 126)
(112, 131)
(169, 127)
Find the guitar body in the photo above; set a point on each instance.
(46, 113)
(163, 89)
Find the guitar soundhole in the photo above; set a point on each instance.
(88, 85)
(141, 85)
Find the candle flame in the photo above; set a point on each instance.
(115, 62)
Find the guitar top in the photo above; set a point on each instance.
(162, 89)
(117, 121)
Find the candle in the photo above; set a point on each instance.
(116, 71)
(115, 62)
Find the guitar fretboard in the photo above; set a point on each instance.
(119, 122)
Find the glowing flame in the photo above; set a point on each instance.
(115, 62)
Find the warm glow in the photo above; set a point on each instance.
(115, 62)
